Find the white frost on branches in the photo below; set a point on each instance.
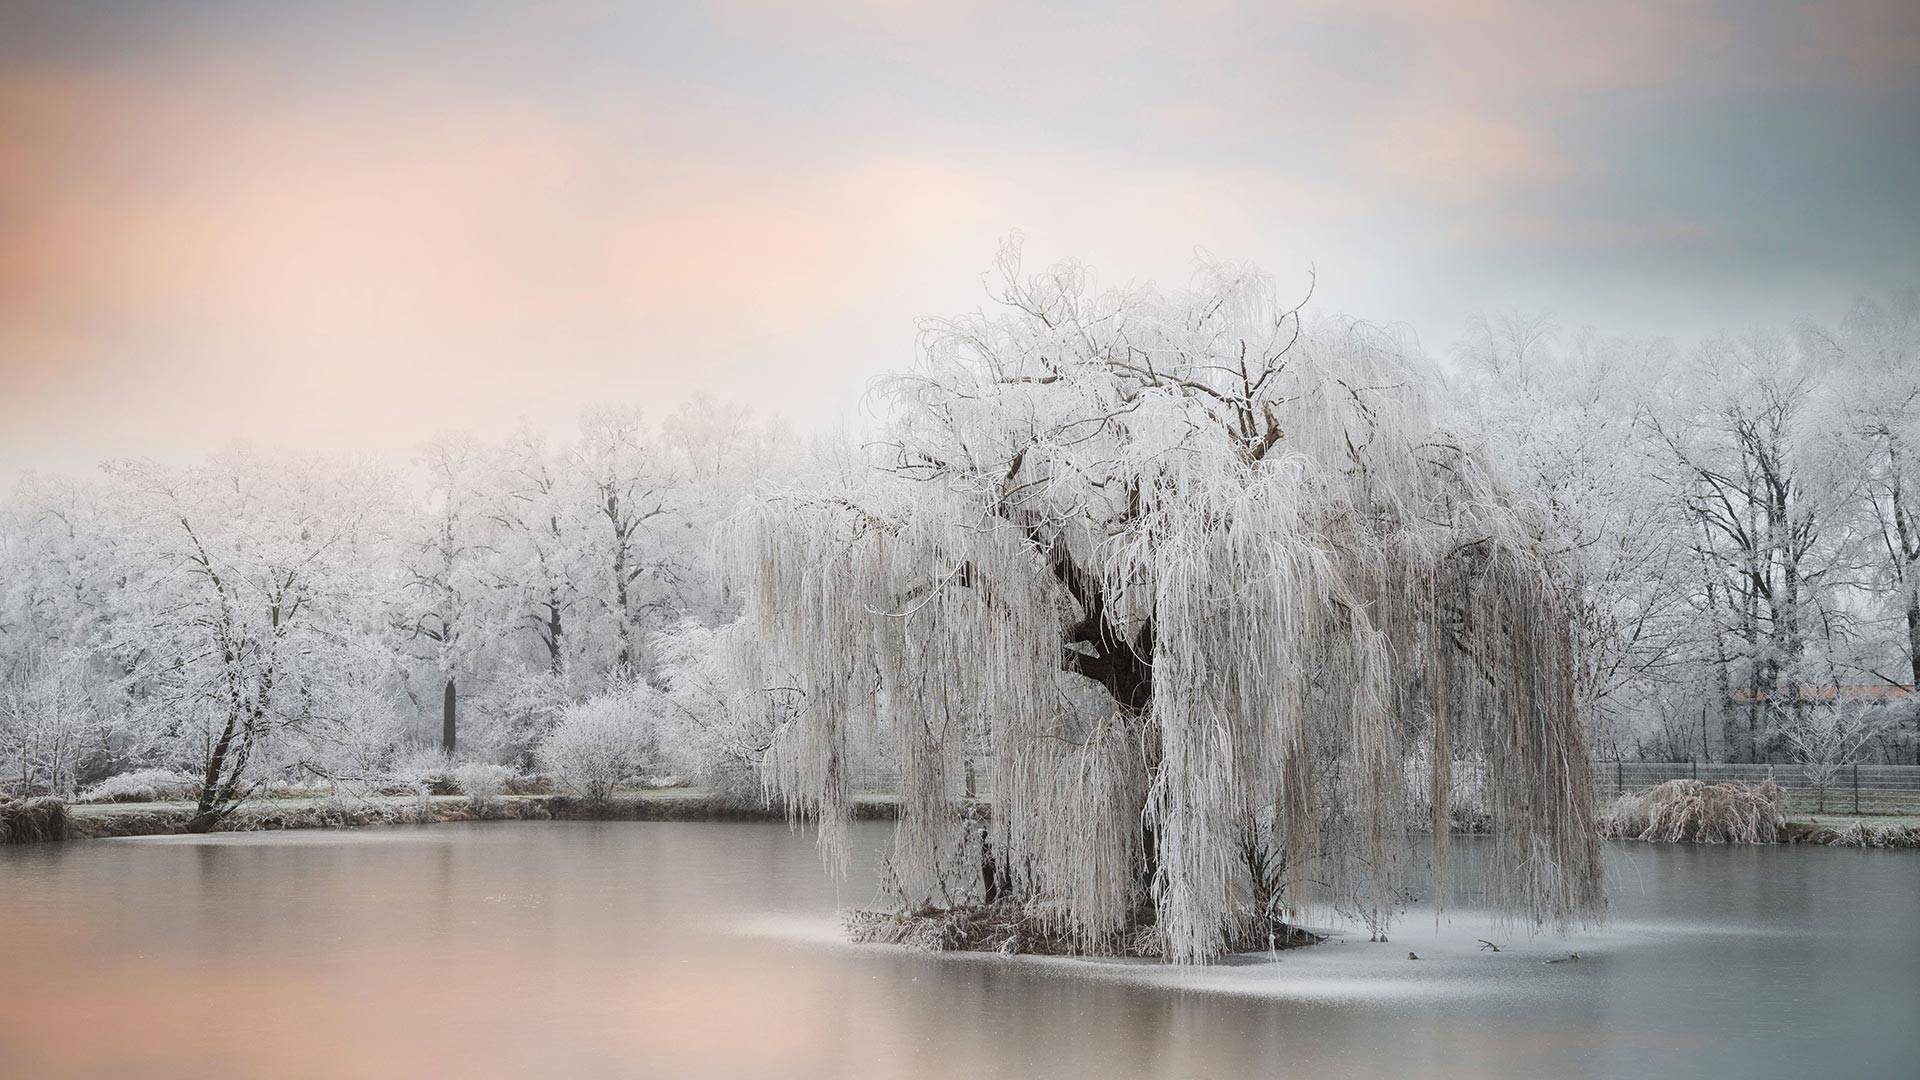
(1291, 582)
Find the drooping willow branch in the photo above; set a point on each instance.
(1279, 600)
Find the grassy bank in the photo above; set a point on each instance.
(166, 818)
(1849, 830)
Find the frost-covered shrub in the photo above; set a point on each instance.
(718, 717)
(143, 785)
(601, 744)
(482, 782)
(426, 770)
(519, 713)
(358, 732)
(527, 783)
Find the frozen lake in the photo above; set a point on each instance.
(673, 949)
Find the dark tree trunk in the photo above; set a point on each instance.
(205, 812)
(1103, 652)
(622, 609)
(554, 630)
(447, 711)
(1913, 640)
(1099, 650)
(1913, 655)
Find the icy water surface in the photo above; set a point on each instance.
(632, 949)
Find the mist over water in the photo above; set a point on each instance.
(710, 950)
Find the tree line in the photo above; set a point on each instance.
(1739, 522)
(1733, 523)
(261, 617)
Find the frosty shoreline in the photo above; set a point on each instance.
(110, 820)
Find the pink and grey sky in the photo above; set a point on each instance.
(353, 225)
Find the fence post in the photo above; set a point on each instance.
(1619, 777)
(1696, 769)
(1856, 787)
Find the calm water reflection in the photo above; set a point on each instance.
(641, 949)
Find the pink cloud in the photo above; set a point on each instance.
(1460, 155)
(205, 233)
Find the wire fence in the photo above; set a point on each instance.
(1854, 789)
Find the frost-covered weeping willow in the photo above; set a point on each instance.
(1230, 612)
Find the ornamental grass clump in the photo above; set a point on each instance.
(33, 821)
(1861, 834)
(1698, 812)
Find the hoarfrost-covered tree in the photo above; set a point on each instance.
(62, 709)
(49, 724)
(1562, 414)
(60, 584)
(536, 564)
(716, 453)
(1752, 458)
(625, 482)
(1217, 591)
(353, 727)
(252, 574)
(1875, 357)
(1828, 737)
(444, 602)
(725, 696)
